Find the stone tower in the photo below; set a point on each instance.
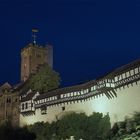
(9, 105)
(32, 56)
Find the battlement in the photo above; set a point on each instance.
(36, 46)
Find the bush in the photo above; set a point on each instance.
(7, 132)
(91, 127)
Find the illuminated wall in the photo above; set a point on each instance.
(125, 104)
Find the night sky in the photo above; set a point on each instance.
(90, 37)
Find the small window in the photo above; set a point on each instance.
(132, 72)
(61, 95)
(71, 93)
(82, 92)
(8, 100)
(26, 105)
(85, 91)
(92, 88)
(78, 93)
(75, 93)
(16, 100)
(22, 106)
(136, 70)
(63, 108)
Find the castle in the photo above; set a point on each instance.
(116, 93)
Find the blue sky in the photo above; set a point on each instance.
(90, 37)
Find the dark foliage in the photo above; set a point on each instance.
(7, 132)
(94, 127)
(128, 129)
(44, 80)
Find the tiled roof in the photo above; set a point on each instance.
(121, 69)
(90, 83)
(66, 89)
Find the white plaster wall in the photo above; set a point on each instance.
(126, 103)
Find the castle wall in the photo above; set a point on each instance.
(125, 104)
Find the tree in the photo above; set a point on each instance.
(104, 126)
(98, 126)
(93, 127)
(71, 125)
(128, 129)
(136, 118)
(44, 80)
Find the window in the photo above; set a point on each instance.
(132, 72)
(22, 106)
(78, 93)
(71, 93)
(85, 91)
(63, 108)
(123, 75)
(136, 70)
(61, 95)
(16, 100)
(8, 100)
(92, 88)
(75, 93)
(127, 74)
(26, 105)
(82, 92)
